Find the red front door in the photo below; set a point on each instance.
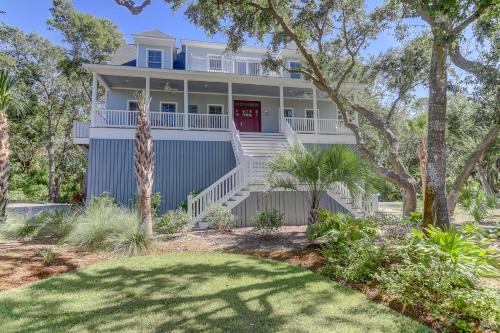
(247, 116)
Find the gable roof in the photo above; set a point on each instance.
(124, 55)
(154, 34)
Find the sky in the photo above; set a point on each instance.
(32, 15)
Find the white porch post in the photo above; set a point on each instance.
(148, 95)
(186, 105)
(282, 110)
(93, 110)
(230, 104)
(315, 108)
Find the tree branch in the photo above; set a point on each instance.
(474, 67)
(474, 16)
(130, 5)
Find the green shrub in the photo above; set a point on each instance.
(56, 224)
(340, 227)
(456, 251)
(444, 293)
(131, 240)
(414, 218)
(354, 261)
(105, 226)
(173, 221)
(475, 200)
(220, 217)
(19, 227)
(268, 221)
(48, 256)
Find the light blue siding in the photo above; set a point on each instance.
(293, 205)
(180, 167)
(167, 55)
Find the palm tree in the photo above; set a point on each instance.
(143, 161)
(8, 101)
(318, 170)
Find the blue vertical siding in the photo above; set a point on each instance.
(180, 167)
(293, 205)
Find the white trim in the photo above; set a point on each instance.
(211, 104)
(171, 57)
(201, 76)
(168, 102)
(327, 138)
(160, 134)
(223, 94)
(221, 46)
(293, 111)
(128, 104)
(147, 57)
(209, 55)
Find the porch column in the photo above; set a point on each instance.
(315, 108)
(282, 110)
(93, 114)
(230, 104)
(186, 105)
(148, 95)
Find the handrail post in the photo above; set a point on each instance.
(190, 205)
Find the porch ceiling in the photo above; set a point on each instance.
(130, 82)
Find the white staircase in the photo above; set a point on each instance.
(252, 152)
(263, 144)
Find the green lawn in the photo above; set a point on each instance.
(188, 292)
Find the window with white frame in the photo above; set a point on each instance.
(215, 63)
(215, 109)
(309, 113)
(168, 107)
(193, 109)
(294, 65)
(288, 112)
(254, 68)
(241, 67)
(132, 106)
(155, 58)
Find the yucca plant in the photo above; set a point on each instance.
(317, 169)
(8, 100)
(459, 251)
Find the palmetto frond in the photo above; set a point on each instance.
(9, 100)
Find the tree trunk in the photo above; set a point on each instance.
(52, 171)
(435, 203)
(469, 166)
(4, 165)
(481, 174)
(144, 166)
(422, 158)
(314, 211)
(409, 199)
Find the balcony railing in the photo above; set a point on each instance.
(80, 129)
(163, 120)
(225, 65)
(319, 126)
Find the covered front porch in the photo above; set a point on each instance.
(208, 105)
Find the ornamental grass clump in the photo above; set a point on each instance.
(104, 226)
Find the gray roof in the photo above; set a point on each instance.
(125, 55)
(154, 33)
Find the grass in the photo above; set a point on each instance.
(194, 292)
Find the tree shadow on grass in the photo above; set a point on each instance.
(212, 293)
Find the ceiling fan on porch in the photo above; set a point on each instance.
(168, 88)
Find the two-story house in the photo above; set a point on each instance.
(216, 118)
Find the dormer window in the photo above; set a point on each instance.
(294, 65)
(155, 58)
(214, 63)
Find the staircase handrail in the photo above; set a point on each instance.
(290, 134)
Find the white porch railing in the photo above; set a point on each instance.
(227, 65)
(208, 121)
(321, 126)
(220, 191)
(80, 129)
(164, 120)
(290, 134)
(301, 125)
(364, 202)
